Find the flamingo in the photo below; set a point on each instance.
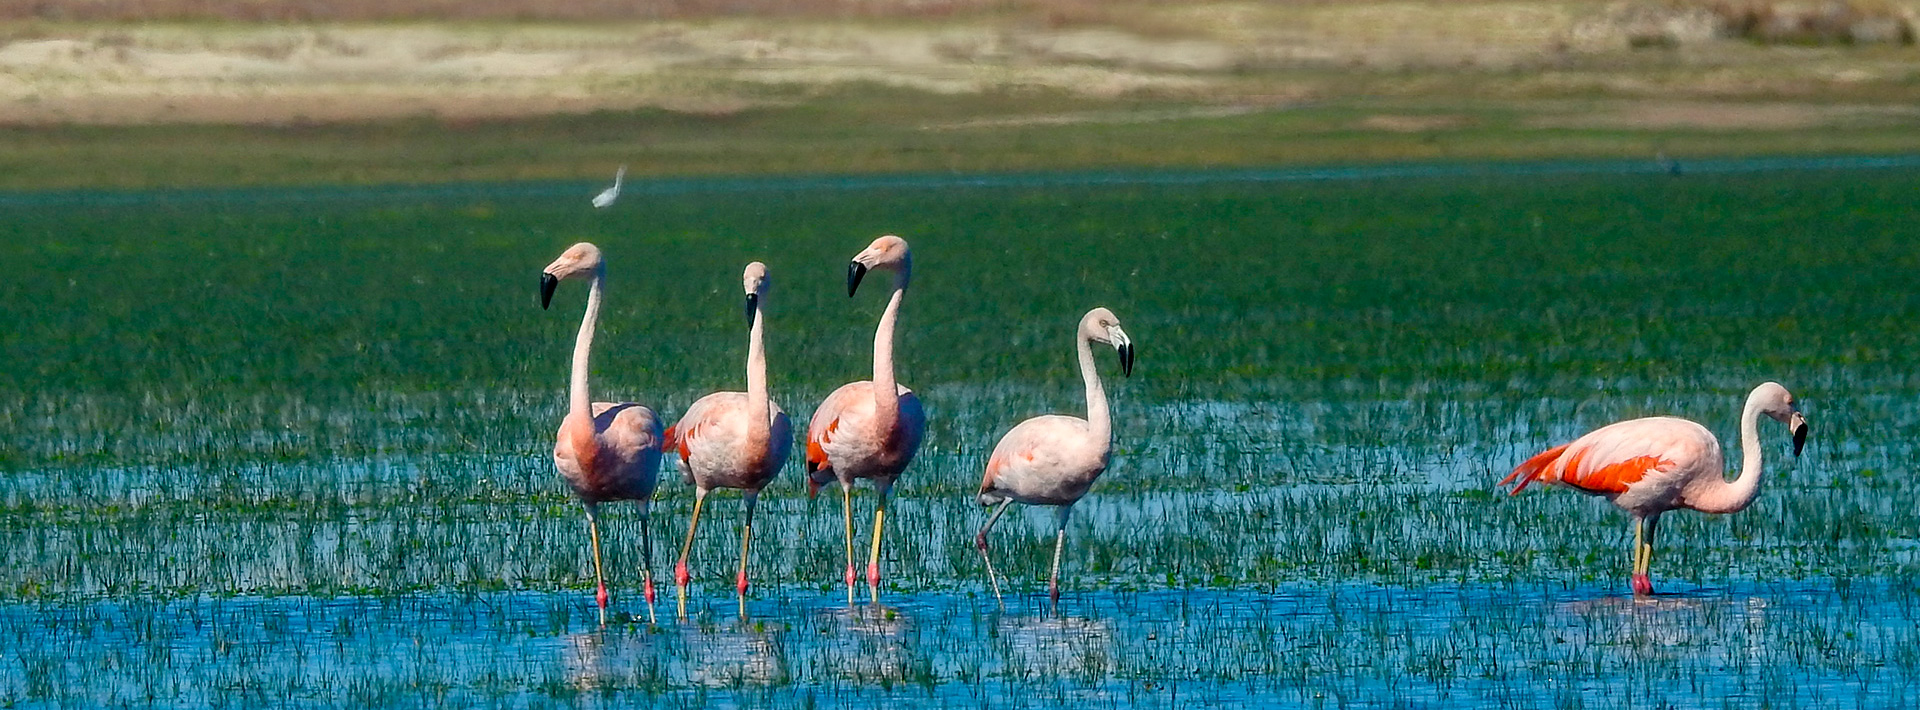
(605, 451)
(1652, 465)
(868, 429)
(606, 197)
(733, 439)
(1053, 459)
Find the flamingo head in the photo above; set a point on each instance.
(580, 261)
(1102, 326)
(756, 281)
(1775, 401)
(888, 252)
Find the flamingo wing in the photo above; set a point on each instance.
(1612, 459)
(825, 424)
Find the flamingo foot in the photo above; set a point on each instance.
(743, 582)
(1642, 585)
(602, 597)
(680, 575)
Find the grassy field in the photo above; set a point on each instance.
(875, 130)
(321, 419)
(179, 95)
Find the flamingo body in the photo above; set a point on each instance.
(1046, 460)
(711, 440)
(1653, 465)
(846, 439)
(1645, 466)
(613, 455)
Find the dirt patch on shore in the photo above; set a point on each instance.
(1214, 53)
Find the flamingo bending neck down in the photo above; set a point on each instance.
(868, 429)
(1653, 465)
(605, 451)
(733, 439)
(1054, 459)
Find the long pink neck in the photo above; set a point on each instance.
(1723, 497)
(759, 403)
(886, 391)
(579, 402)
(1099, 425)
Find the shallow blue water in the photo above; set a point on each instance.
(1814, 643)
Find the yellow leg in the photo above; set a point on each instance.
(873, 558)
(846, 505)
(681, 577)
(1639, 545)
(599, 578)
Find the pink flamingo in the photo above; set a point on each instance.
(605, 451)
(1053, 459)
(733, 439)
(1653, 465)
(868, 429)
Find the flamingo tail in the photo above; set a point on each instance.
(1530, 471)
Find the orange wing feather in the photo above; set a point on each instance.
(1611, 478)
(1574, 472)
(1531, 470)
(674, 440)
(816, 455)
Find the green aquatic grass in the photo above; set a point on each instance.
(343, 393)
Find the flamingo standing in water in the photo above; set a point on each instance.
(1053, 459)
(1653, 465)
(605, 451)
(733, 439)
(868, 429)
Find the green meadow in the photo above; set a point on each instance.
(295, 443)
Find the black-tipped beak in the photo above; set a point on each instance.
(855, 270)
(1126, 360)
(1799, 437)
(548, 282)
(753, 304)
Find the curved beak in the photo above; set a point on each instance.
(548, 282)
(1124, 345)
(855, 270)
(1799, 426)
(753, 304)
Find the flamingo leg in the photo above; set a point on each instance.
(646, 553)
(746, 544)
(593, 532)
(1641, 585)
(1646, 563)
(879, 523)
(1059, 543)
(846, 506)
(980, 541)
(681, 577)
